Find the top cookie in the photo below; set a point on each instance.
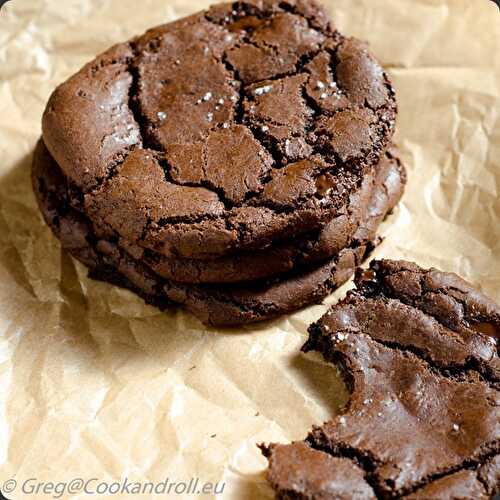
(230, 129)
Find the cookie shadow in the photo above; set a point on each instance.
(18, 221)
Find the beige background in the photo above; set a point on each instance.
(94, 383)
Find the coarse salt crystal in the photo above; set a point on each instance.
(263, 90)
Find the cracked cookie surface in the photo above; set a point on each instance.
(418, 350)
(231, 129)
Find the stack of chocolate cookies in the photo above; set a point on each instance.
(237, 162)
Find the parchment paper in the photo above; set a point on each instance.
(96, 384)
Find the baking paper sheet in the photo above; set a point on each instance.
(94, 384)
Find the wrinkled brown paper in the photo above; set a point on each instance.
(96, 384)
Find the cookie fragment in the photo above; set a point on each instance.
(423, 419)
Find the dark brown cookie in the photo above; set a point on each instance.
(418, 349)
(223, 305)
(379, 194)
(231, 129)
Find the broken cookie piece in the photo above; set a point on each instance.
(418, 349)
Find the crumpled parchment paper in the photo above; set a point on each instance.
(94, 384)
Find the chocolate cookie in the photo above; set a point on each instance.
(217, 305)
(380, 192)
(418, 349)
(232, 129)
